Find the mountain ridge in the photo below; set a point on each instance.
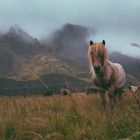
(27, 59)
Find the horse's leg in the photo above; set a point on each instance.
(112, 95)
(112, 99)
(115, 97)
(102, 95)
(119, 93)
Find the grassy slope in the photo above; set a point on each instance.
(76, 117)
(43, 64)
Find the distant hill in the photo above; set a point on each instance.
(53, 82)
(69, 42)
(25, 59)
(42, 64)
(20, 42)
(130, 64)
(15, 47)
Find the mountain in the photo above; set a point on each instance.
(9, 63)
(17, 32)
(130, 64)
(54, 82)
(16, 46)
(20, 42)
(43, 64)
(69, 42)
(24, 58)
(59, 60)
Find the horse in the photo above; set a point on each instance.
(108, 76)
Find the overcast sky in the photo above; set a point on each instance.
(115, 21)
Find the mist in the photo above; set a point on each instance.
(69, 41)
(115, 21)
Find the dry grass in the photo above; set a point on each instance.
(43, 64)
(76, 117)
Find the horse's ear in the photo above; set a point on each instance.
(103, 42)
(91, 42)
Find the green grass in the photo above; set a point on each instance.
(76, 117)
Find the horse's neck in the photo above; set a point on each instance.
(106, 73)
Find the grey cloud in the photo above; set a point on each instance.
(103, 14)
(41, 17)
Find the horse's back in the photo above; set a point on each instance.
(120, 75)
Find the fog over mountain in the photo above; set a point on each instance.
(61, 56)
(69, 42)
(51, 36)
(115, 21)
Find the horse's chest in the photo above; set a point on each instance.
(102, 82)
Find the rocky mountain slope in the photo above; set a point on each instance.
(64, 54)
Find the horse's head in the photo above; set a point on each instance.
(97, 54)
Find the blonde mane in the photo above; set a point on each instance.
(98, 49)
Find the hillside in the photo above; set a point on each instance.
(20, 52)
(130, 64)
(69, 44)
(39, 65)
(53, 82)
(15, 47)
(20, 42)
(24, 58)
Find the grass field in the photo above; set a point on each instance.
(76, 117)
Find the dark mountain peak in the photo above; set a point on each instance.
(73, 31)
(16, 32)
(68, 40)
(20, 42)
(11, 31)
(74, 28)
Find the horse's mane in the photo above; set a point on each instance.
(98, 49)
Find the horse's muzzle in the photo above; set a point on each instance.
(97, 69)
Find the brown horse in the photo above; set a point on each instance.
(107, 76)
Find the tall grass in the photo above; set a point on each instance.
(76, 117)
